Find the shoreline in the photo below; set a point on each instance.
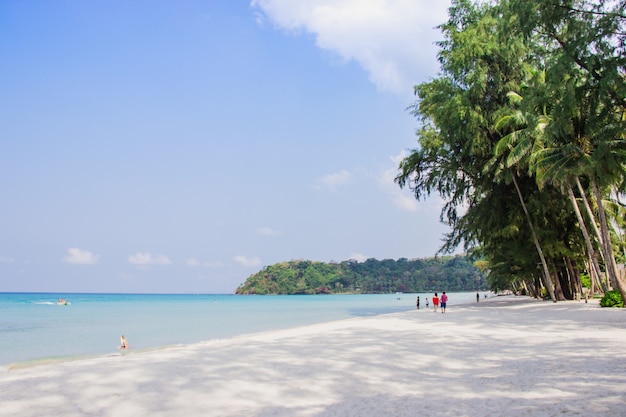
(250, 315)
(58, 360)
(506, 355)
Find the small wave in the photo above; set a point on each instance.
(50, 303)
(48, 361)
(55, 360)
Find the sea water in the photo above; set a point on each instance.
(34, 327)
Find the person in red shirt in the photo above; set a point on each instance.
(435, 302)
(444, 301)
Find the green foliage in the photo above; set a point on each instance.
(448, 273)
(530, 100)
(612, 299)
(585, 280)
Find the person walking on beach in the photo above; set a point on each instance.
(477, 297)
(418, 302)
(123, 342)
(435, 302)
(444, 301)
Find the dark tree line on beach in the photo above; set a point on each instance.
(523, 134)
(447, 273)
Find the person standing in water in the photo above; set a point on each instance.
(418, 302)
(435, 302)
(123, 342)
(444, 301)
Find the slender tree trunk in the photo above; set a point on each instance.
(558, 283)
(574, 275)
(558, 291)
(619, 228)
(537, 286)
(583, 228)
(592, 280)
(546, 271)
(566, 281)
(607, 246)
(615, 279)
(592, 218)
(598, 281)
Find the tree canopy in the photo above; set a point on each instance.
(447, 273)
(523, 136)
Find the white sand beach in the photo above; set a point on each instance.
(507, 356)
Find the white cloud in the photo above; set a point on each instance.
(402, 199)
(80, 257)
(332, 181)
(359, 257)
(266, 231)
(195, 262)
(393, 40)
(245, 261)
(146, 258)
(192, 262)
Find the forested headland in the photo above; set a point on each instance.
(523, 135)
(446, 273)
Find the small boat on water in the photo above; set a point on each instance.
(63, 302)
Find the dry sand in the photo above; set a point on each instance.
(509, 356)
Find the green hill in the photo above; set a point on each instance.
(447, 273)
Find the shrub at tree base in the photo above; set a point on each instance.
(612, 299)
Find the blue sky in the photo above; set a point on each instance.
(159, 146)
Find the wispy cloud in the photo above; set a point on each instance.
(393, 40)
(359, 257)
(246, 261)
(192, 262)
(80, 257)
(333, 181)
(147, 259)
(195, 262)
(267, 231)
(6, 260)
(402, 199)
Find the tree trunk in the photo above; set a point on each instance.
(558, 283)
(597, 281)
(592, 218)
(583, 228)
(574, 274)
(612, 266)
(566, 281)
(619, 228)
(592, 280)
(546, 271)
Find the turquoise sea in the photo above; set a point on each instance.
(34, 327)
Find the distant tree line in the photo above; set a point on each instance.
(447, 273)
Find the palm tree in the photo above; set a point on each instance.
(568, 156)
(585, 97)
(513, 151)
